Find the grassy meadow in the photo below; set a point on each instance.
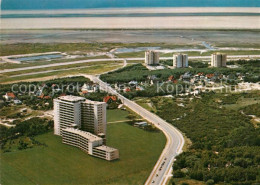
(58, 163)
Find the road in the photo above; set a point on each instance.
(114, 59)
(175, 141)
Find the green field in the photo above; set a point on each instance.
(145, 103)
(62, 164)
(116, 115)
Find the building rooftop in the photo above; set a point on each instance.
(10, 94)
(218, 53)
(88, 135)
(107, 98)
(93, 102)
(140, 123)
(106, 148)
(71, 98)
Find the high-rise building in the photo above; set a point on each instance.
(82, 123)
(180, 60)
(78, 112)
(152, 58)
(67, 113)
(218, 60)
(93, 115)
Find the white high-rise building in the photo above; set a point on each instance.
(67, 113)
(152, 58)
(72, 112)
(94, 117)
(78, 112)
(218, 60)
(180, 61)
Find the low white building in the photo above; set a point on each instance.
(89, 143)
(140, 124)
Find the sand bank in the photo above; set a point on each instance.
(187, 22)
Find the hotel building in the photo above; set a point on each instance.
(82, 123)
(218, 60)
(73, 111)
(180, 61)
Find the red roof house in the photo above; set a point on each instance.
(10, 95)
(209, 75)
(108, 99)
(171, 78)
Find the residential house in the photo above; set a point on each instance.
(127, 89)
(9, 96)
(109, 99)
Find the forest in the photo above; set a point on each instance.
(22, 135)
(225, 144)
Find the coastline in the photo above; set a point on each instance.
(140, 10)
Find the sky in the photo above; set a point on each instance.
(85, 4)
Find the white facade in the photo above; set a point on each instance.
(106, 152)
(67, 113)
(152, 58)
(94, 117)
(89, 143)
(74, 111)
(218, 60)
(180, 61)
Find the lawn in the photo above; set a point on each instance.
(145, 103)
(116, 115)
(62, 164)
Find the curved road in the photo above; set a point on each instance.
(175, 141)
